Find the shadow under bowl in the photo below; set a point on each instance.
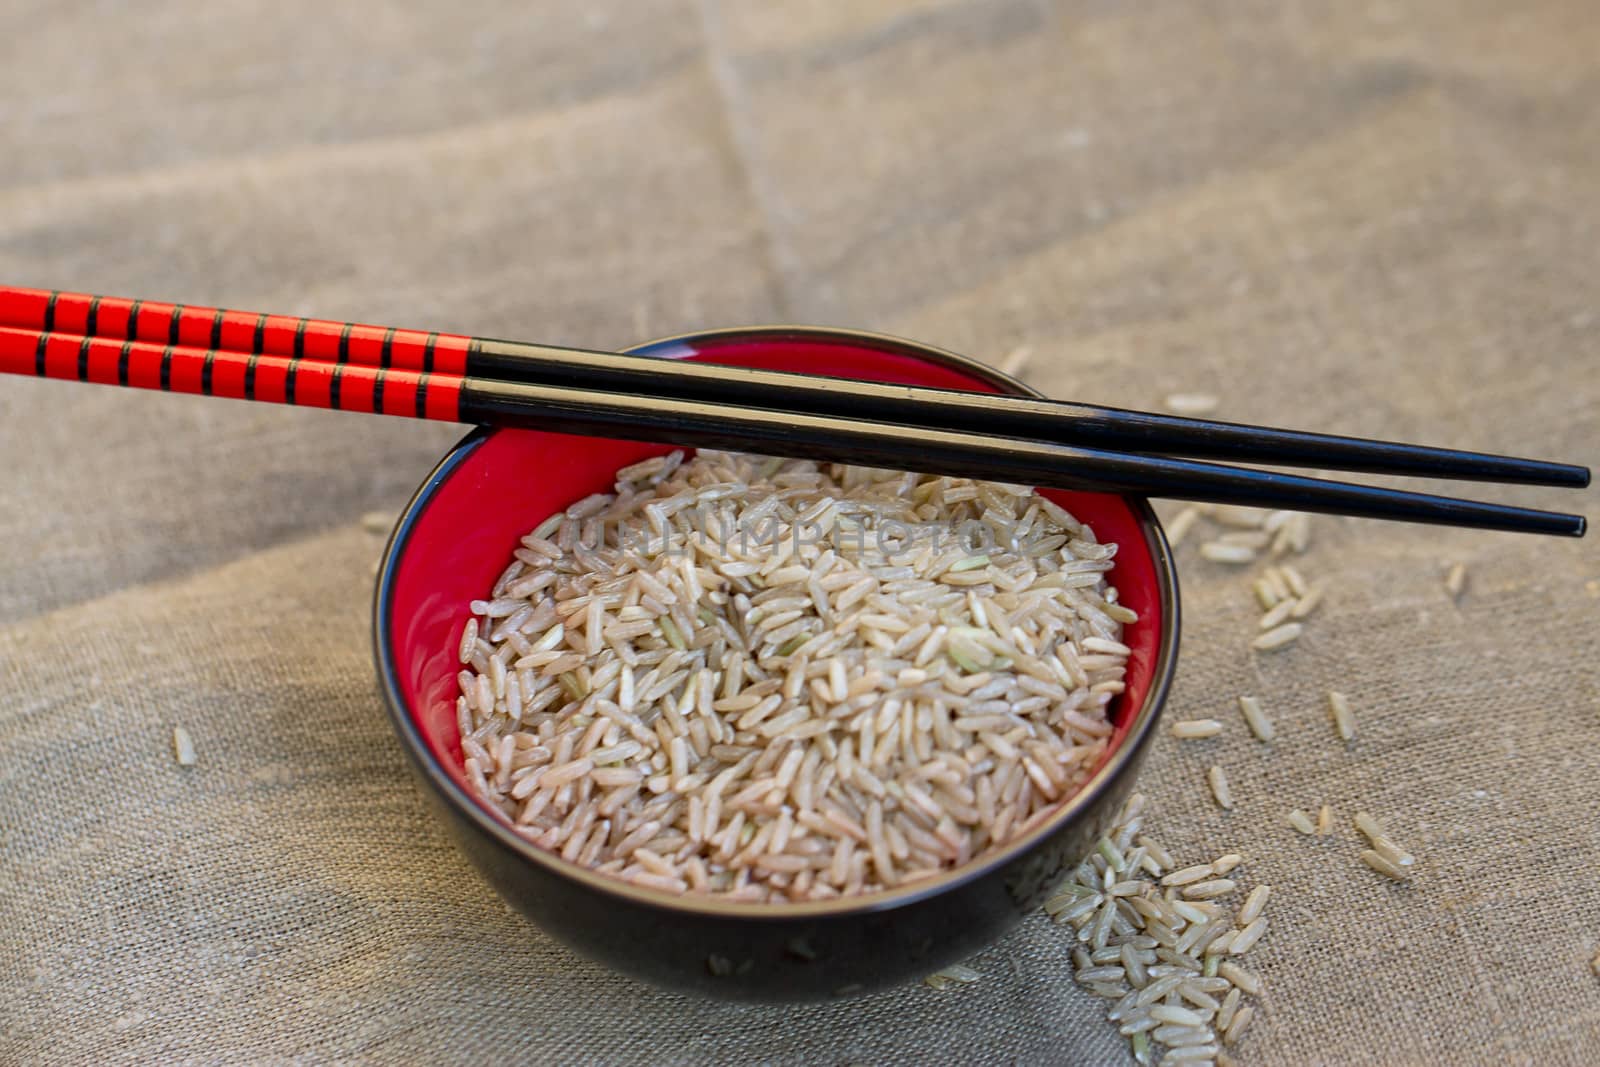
(458, 533)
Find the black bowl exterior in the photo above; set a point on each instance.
(770, 958)
(777, 953)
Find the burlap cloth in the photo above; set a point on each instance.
(1378, 218)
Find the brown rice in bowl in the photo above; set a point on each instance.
(776, 680)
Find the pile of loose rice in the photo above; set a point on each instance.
(777, 680)
(1160, 942)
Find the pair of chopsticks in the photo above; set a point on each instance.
(1049, 443)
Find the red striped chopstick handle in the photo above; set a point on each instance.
(218, 329)
(243, 376)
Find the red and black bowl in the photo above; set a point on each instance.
(457, 535)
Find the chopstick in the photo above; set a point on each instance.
(1058, 421)
(452, 396)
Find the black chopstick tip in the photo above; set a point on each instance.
(1558, 524)
(1540, 472)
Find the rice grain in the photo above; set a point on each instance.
(1016, 361)
(1299, 530)
(1240, 977)
(1191, 403)
(1168, 1013)
(377, 522)
(1294, 580)
(1278, 637)
(1381, 843)
(1239, 517)
(1219, 787)
(1277, 616)
(1246, 938)
(1195, 729)
(1226, 862)
(1174, 1036)
(1241, 1020)
(1253, 905)
(1309, 602)
(955, 974)
(183, 747)
(1230, 1005)
(1220, 552)
(1266, 595)
(1256, 718)
(1344, 722)
(1189, 875)
(1181, 524)
(1383, 866)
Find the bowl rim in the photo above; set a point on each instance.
(1122, 760)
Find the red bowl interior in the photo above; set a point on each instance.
(506, 482)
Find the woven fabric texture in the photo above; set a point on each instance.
(1374, 218)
